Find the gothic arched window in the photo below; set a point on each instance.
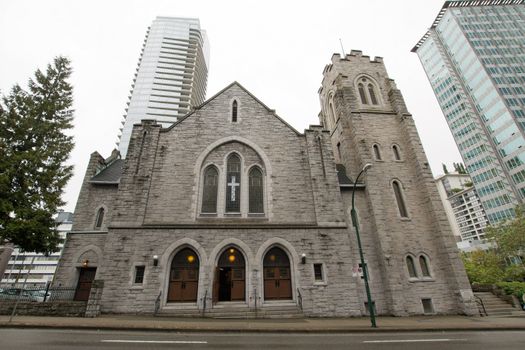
(372, 94)
(399, 199)
(395, 150)
(209, 193)
(234, 111)
(424, 266)
(256, 191)
(99, 219)
(233, 184)
(362, 94)
(377, 152)
(411, 267)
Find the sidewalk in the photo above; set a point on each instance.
(317, 325)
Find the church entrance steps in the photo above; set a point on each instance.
(495, 306)
(236, 312)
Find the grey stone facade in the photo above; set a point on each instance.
(154, 209)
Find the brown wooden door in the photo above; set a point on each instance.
(277, 283)
(183, 284)
(85, 279)
(237, 284)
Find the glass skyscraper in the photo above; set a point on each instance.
(474, 57)
(171, 75)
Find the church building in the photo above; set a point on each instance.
(232, 210)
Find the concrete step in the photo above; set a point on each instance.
(494, 306)
(236, 312)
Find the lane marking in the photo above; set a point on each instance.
(155, 341)
(411, 340)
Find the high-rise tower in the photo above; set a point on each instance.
(171, 75)
(474, 57)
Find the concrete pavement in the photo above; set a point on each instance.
(317, 325)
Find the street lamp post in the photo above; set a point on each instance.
(361, 255)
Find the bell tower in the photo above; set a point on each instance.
(401, 216)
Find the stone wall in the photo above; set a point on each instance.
(52, 308)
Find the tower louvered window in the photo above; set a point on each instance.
(233, 184)
(209, 195)
(256, 191)
(372, 94)
(411, 267)
(362, 94)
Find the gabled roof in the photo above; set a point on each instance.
(221, 92)
(110, 174)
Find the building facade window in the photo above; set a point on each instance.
(210, 187)
(234, 111)
(396, 185)
(368, 91)
(99, 218)
(139, 274)
(362, 94)
(397, 154)
(318, 273)
(411, 267)
(372, 94)
(423, 263)
(377, 152)
(233, 184)
(255, 191)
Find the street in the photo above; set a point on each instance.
(43, 339)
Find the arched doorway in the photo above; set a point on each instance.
(229, 280)
(277, 279)
(184, 277)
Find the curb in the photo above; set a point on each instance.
(262, 330)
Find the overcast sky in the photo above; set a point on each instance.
(276, 49)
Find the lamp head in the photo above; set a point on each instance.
(366, 167)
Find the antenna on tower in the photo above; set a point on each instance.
(342, 48)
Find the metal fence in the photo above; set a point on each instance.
(37, 294)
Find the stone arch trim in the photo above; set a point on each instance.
(165, 266)
(294, 263)
(85, 249)
(219, 248)
(375, 84)
(202, 156)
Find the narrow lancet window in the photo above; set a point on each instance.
(395, 149)
(377, 152)
(209, 193)
(399, 199)
(362, 94)
(234, 111)
(100, 218)
(372, 94)
(411, 267)
(424, 266)
(256, 191)
(233, 184)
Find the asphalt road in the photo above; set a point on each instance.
(42, 339)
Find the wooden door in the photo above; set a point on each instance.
(85, 279)
(190, 284)
(271, 290)
(183, 284)
(237, 284)
(277, 283)
(285, 283)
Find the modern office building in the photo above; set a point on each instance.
(474, 57)
(463, 208)
(171, 75)
(33, 268)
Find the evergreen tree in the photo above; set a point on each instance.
(33, 149)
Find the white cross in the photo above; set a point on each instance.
(233, 184)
